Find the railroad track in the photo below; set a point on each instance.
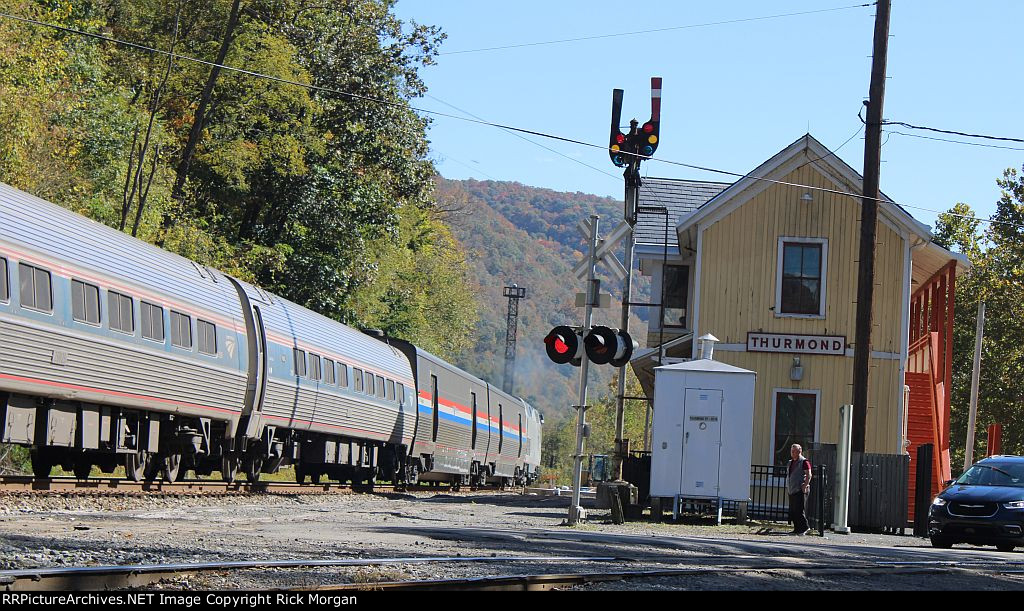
(141, 576)
(26, 483)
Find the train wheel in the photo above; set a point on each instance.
(252, 465)
(229, 467)
(171, 467)
(314, 476)
(42, 463)
(82, 468)
(135, 465)
(300, 473)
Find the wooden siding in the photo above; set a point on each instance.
(737, 295)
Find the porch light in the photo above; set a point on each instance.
(807, 197)
(796, 373)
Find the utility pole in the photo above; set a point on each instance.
(869, 225)
(979, 333)
(575, 510)
(514, 294)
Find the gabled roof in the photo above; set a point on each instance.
(680, 197)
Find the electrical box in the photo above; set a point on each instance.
(703, 431)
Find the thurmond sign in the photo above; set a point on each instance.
(797, 344)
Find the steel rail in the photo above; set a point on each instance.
(27, 483)
(122, 576)
(520, 583)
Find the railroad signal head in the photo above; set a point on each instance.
(617, 141)
(609, 346)
(564, 345)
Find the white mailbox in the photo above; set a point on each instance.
(703, 431)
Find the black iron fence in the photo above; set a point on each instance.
(769, 499)
(878, 499)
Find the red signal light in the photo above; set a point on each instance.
(648, 128)
(620, 138)
(564, 345)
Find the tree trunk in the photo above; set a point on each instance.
(195, 133)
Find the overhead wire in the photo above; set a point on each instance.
(991, 146)
(457, 117)
(656, 30)
(952, 132)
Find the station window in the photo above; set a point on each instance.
(152, 322)
(300, 362)
(120, 312)
(35, 288)
(343, 375)
(85, 302)
(357, 379)
(795, 420)
(206, 333)
(181, 330)
(5, 292)
(329, 372)
(801, 277)
(676, 280)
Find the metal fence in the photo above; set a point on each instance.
(878, 500)
(770, 501)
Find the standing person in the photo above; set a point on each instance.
(798, 485)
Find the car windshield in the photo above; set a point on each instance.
(993, 474)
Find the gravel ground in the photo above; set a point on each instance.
(44, 530)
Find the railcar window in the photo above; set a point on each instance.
(343, 375)
(357, 379)
(121, 312)
(314, 367)
(152, 322)
(433, 403)
(207, 332)
(5, 294)
(472, 401)
(380, 387)
(501, 428)
(520, 435)
(401, 393)
(85, 302)
(370, 390)
(329, 371)
(300, 362)
(181, 330)
(35, 288)
(391, 390)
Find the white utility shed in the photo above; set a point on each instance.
(703, 432)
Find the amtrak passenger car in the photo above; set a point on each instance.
(115, 352)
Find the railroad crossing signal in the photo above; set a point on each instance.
(599, 344)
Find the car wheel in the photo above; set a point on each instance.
(1005, 547)
(941, 542)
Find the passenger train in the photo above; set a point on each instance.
(115, 352)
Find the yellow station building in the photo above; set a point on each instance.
(769, 267)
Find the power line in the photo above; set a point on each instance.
(466, 119)
(654, 31)
(951, 132)
(991, 146)
(521, 137)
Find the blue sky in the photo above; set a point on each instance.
(733, 95)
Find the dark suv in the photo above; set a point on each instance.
(984, 506)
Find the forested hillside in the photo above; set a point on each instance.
(321, 193)
(515, 234)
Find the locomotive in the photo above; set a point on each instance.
(116, 352)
